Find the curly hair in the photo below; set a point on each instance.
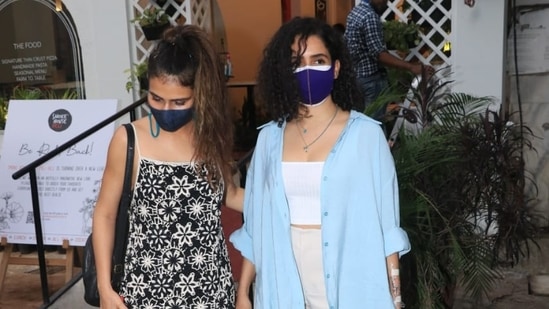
(277, 86)
(187, 53)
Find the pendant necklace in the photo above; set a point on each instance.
(299, 129)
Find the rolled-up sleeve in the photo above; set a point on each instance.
(242, 241)
(396, 240)
(394, 237)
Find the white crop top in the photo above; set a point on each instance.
(302, 186)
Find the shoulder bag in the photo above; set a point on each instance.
(89, 273)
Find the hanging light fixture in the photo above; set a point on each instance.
(58, 5)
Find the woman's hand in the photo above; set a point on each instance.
(247, 276)
(243, 302)
(111, 300)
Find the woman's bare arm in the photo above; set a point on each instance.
(104, 217)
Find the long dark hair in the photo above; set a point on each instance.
(277, 86)
(186, 52)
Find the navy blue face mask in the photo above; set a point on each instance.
(172, 119)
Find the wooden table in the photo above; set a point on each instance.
(248, 84)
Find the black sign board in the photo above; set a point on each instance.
(38, 45)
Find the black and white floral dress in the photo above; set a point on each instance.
(176, 255)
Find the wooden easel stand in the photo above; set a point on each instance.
(14, 258)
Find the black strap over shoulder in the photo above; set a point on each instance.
(122, 224)
(89, 271)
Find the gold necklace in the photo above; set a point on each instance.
(306, 147)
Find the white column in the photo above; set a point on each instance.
(102, 27)
(1, 140)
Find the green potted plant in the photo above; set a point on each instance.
(153, 21)
(463, 199)
(67, 94)
(401, 36)
(3, 112)
(21, 92)
(138, 73)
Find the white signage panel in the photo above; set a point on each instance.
(68, 184)
(532, 43)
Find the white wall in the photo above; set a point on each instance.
(478, 47)
(534, 94)
(102, 27)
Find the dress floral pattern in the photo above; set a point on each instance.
(176, 255)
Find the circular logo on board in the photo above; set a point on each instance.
(60, 120)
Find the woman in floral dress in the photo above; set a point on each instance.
(176, 255)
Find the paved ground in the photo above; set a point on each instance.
(522, 302)
(510, 302)
(22, 289)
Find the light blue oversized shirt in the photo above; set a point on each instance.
(360, 221)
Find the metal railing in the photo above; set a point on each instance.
(240, 167)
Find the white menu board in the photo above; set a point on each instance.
(68, 184)
(532, 43)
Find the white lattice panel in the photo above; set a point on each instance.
(434, 17)
(196, 12)
(201, 14)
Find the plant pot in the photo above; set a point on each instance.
(539, 284)
(412, 44)
(154, 32)
(143, 83)
(405, 47)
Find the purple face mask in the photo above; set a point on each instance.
(315, 83)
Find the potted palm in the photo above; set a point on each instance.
(463, 195)
(153, 21)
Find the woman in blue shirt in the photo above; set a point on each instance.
(321, 205)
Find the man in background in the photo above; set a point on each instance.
(364, 37)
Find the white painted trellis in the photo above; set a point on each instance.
(434, 53)
(195, 12)
(430, 50)
(199, 12)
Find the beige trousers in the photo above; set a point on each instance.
(307, 246)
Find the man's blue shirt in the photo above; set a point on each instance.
(364, 37)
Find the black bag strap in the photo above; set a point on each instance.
(122, 224)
